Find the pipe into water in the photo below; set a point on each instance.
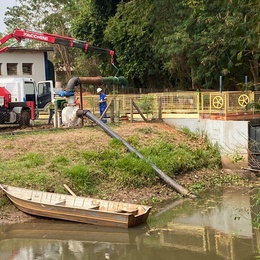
(159, 172)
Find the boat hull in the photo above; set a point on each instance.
(91, 211)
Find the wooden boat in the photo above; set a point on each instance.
(77, 209)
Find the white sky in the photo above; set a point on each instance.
(3, 8)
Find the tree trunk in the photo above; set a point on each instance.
(254, 68)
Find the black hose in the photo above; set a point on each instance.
(160, 173)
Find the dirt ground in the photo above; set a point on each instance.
(92, 137)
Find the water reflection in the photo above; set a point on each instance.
(217, 226)
(50, 239)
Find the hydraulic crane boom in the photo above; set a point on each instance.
(20, 35)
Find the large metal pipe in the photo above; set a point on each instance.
(75, 81)
(104, 80)
(160, 173)
(91, 80)
(72, 83)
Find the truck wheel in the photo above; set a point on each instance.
(25, 119)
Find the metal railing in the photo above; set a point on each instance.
(177, 104)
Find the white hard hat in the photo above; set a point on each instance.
(99, 90)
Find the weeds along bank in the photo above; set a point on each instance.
(93, 164)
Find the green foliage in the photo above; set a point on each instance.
(60, 160)
(147, 130)
(252, 105)
(134, 141)
(181, 158)
(46, 16)
(255, 208)
(32, 15)
(147, 105)
(116, 144)
(90, 156)
(133, 172)
(177, 44)
(40, 178)
(211, 152)
(4, 202)
(130, 32)
(112, 165)
(31, 160)
(189, 134)
(236, 157)
(198, 186)
(214, 180)
(83, 178)
(90, 25)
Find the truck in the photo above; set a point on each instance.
(21, 99)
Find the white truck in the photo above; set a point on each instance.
(21, 99)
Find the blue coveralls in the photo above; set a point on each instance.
(102, 106)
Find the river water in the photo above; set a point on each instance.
(218, 225)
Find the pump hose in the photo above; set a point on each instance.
(160, 173)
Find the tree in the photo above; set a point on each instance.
(177, 43)
(130, 32)
(89, 25)
(45, 16)
(230, 31)
(172, 41)
(32, 14)
(250, 38)
(209, 36)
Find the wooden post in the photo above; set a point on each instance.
(160, 109)
(112, 111)
(105, 110)
(131, 110)
(140, 112)
(56, 116)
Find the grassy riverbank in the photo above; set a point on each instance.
(93, 164)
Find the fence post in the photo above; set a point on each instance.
(131, 110)
(160, 109)
(112, 111)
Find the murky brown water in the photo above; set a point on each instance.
(216, 226)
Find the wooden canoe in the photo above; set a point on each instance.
(76, 208)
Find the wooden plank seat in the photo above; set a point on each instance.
(94, 207)
(61, 202)
(133, 211)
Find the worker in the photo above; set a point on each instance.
(50, 108)
(102, 103)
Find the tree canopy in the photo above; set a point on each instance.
(173, 44)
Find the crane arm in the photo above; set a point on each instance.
(20, 35)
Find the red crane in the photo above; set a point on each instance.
(20, 35)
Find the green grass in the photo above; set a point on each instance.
(89, 172)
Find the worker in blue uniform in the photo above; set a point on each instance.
(102, 103)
